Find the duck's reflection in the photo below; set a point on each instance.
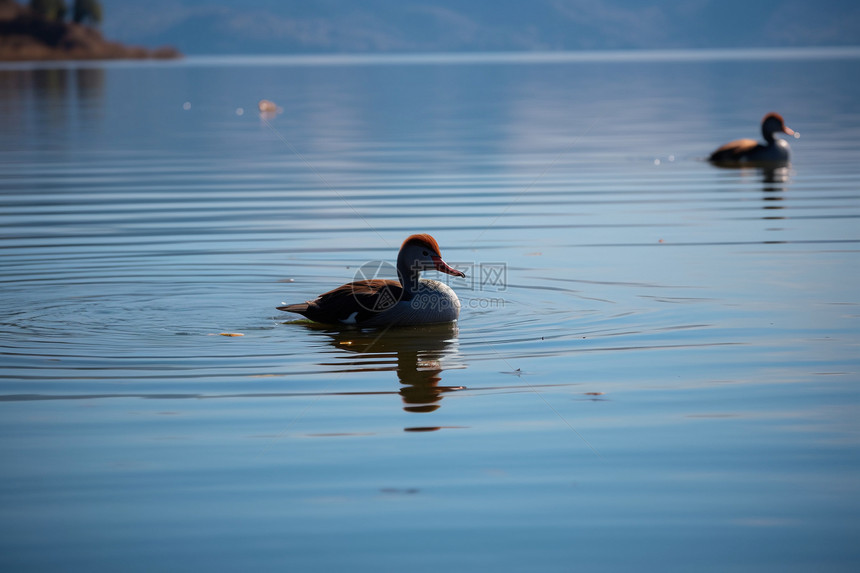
(774, 182)
(414, 353)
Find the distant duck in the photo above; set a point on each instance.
(384, 302)
(749, 152)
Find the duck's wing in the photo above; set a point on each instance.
(352, 303)
(733, 150)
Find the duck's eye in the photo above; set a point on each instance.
(425, 253)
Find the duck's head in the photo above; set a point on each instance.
(421, 253)
(773, 123)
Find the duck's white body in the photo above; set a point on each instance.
(432, 302)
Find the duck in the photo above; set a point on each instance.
(749, 152)
(410, 301)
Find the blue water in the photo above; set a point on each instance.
(656, 364)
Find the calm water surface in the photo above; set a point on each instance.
(656, 366)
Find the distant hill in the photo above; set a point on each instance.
(328, 26)
(26, 36)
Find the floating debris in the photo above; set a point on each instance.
(267, 106)
(230, 334)
(518, 372)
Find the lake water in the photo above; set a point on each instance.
(657, 364)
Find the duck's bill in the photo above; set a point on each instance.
(789, 131)
(443, 267)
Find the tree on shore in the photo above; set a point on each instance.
(83, 11)
(54, 10)
(87, 11)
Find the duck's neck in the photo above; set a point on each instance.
(768, 135)
(409, 276)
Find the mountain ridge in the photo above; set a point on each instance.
(384, 26)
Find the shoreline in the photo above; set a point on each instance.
(26, 37)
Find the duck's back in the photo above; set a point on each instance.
(352, 303)
(733, 150)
